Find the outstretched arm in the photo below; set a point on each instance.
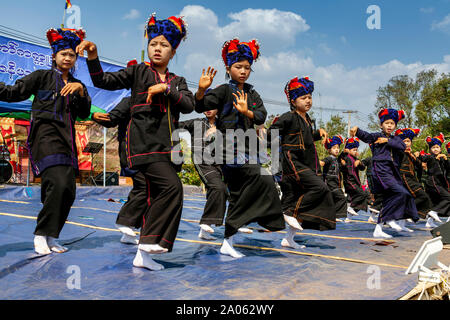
(21, 90)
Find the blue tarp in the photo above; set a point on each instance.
(195, 269)
(19, 58)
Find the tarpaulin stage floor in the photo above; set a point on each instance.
(338, 264)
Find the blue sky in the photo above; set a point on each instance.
(326, 40)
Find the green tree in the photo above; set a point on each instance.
(433, 109)
(188, 174)
(425, 100)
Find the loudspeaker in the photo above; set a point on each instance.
(112, 179)
(442, 231)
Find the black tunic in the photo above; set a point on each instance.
(253, 196)
(357, 197)
(51, 140)
(436, 185)
(133, 210)
(377, 201)
(332, 177)
(201, 143)
(149, 133)
(305, 195)
(120, 116)
(410, 170)
(210, 174)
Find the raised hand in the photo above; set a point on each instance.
(261, 131)
(241, 102)
(207, 78)
(210, 131)
(89, 47)
(71, 88)
(353, 131)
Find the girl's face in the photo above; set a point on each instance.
(160, 51)
(240, 71)
(334, 150)
(303, 104)
(407, 142)
(210, 114)
(436, 149)
(65, 59)
(388, 126)
(354, 152)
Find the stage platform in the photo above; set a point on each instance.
(346, 263)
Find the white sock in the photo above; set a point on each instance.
(288, 241)
(394, 225)
(205, 235)
(291, 221)
(402, 224)
(430, 223)
(227, 248)
(127, 239)
(349, 218)
(40, 245)
(126, 230)
(143, 260)
(374, 210)
(373, 217)
(207, 228)
(245, 230)
(434, 215)
(55, 246)
(152, 248)
(378, 232)
(352, 211)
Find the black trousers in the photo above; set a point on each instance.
(309, 200)
(58, 190)
(377, 202)
(253, 198)
(216, 194)
(340, 203)
(165, 197)
(358, 198)
(131, 213)
(440, 198)
(423, 202)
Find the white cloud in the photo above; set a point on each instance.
(443, 25)
(265, 24)
(427, 10)
(132, 15)
(273, 28)
(343, 39)
(336, 85)
(325, 49)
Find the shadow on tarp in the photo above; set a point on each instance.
(195, 269)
